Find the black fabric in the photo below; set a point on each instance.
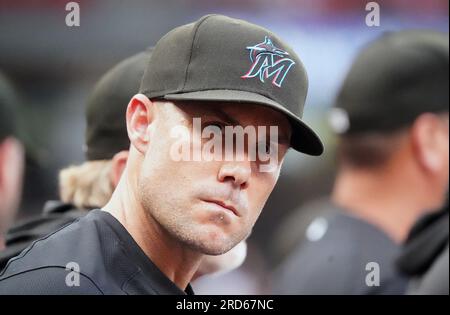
(427, 240)
(54, 216)
(436, 280)
(336, 263)
(109, 261)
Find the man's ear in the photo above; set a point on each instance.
(427, 140)
(119, 161)
(140, 114)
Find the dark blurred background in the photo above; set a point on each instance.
(54, 67)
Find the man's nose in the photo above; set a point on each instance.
(236, 172)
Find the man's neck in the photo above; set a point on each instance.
(176, 261)
(383, 199)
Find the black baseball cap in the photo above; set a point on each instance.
(221, 59)
(8, 110)
(13, 122)
(106, 130)
(393, 80)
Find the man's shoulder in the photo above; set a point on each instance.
(338, 252)
(23, 233)
(48, 280)
(52, 257)
(347, 246)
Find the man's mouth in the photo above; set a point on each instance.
(224, 205)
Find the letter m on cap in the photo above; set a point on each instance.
(268, 61)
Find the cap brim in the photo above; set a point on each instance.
(303, 139)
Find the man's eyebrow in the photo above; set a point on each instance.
(224, 116)
(282, 138)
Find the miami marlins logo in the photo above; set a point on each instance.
(268, 61)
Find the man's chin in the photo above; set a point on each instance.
(213, 247)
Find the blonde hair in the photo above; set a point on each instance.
(87, 185)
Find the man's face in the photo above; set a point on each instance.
(209, 205)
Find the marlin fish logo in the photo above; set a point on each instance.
(268, 61)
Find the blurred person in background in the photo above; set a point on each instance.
(166, 214)
(11, 158)
(392, 117)
(90, 185)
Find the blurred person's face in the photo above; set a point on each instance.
(209, 206)
(11, 169)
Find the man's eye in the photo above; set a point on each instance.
(217, 124)
(265, 147)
